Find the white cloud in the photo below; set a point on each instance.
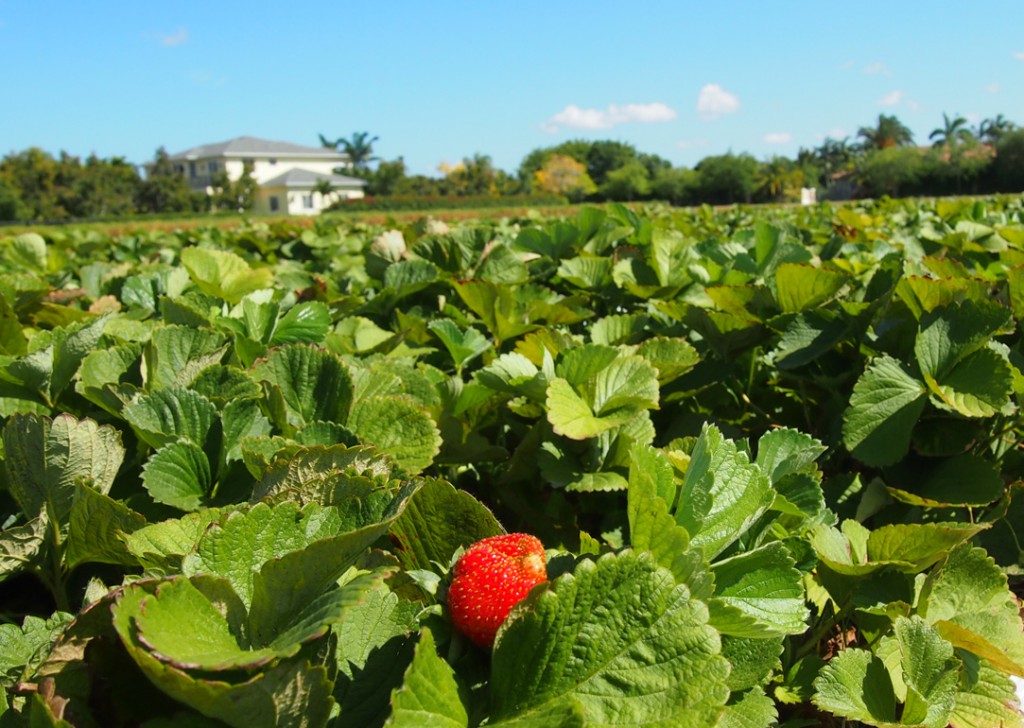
(891, 99)
(993, 88)
(778, 137)
(573, 117)
(876, 68)
(174, 39)
(1019, 55)
(714, 101)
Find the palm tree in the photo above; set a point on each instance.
(992, 129)
(953, 131)
(890, 132)
(359, 148)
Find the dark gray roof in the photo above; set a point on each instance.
(306, 179)
(252, 147)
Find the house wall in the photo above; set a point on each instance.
(290, 200)
(264, 170)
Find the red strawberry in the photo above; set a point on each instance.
(491, 577)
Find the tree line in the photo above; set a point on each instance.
(882, 159)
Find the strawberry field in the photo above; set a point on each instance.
(774, 459)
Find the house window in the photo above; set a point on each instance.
(272, 161)
(191, 169)
(179, 168)
(307, 202)
(213, 167)
(273, 203)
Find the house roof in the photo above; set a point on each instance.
(247, 146)
(303, 178)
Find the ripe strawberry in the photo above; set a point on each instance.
(490, 578)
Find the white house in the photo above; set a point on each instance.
(289, 176)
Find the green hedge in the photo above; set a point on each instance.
(433, 202)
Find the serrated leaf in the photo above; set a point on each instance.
(572, 417)
(949, 334)
(785, 451)
(314, 383)
(989, 701)
(224, 384)
(306, 323)
(765, 587)
(930, 672)
(652, 528)
(979, 385)
(907, 547)
(399, 428)
(179, 475)
(799, 287)
(177, 354)
(23, 648)
(884, 407)
(291, 694)
(438, 520)
(753, 709)
(961, 480)
(429, 695)
(374, 648)
(670, 357)
(620, 637)
(722, 495)
(753, 660)
(170, 414)
(967, 598)
(96, 528)
(463, 346)
(589, 273)
(45, 458)
(855, 684)
(23, 547)
(162, 545)
(224, 274)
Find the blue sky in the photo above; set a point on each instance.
(438, 81)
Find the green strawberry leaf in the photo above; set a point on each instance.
(430, 694)
(399, 428)
(179, 475)
(883, 410)
(314, 384)
(44, 459)
(723, 493)
(438, 520)
(967, 599)
(619, 637)
(224, 274)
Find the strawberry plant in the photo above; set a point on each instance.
(639, 467)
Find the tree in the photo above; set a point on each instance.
(605, 156)
(675, 185)
(727, 178)
(165, 190)
(388, 178)
(11, 207)
(890, 132)
(631, 181)
(472, 176)
(779, 179)
(37, 177)
(563, 175)
(105, 187)
(992, 130)
(359, 148)
(1007, 169)
(891, 171)
(575, 149)
(952, 132)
